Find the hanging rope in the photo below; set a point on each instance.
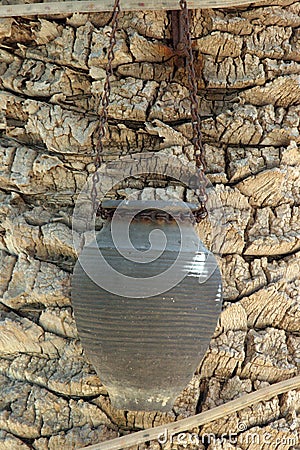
(104, 103)
(200, 181)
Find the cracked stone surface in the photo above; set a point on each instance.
(52, 71)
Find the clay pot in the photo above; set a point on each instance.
(144, 347)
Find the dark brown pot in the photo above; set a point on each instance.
(146, 348)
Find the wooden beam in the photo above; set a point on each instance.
(189, 423)
(86, 6)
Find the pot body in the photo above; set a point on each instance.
(146, 348)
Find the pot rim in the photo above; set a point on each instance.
(171, 205)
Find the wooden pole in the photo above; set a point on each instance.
(85, 6)
(189, 423)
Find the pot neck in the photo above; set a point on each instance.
(151, 210)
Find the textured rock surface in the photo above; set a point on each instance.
(51, 77)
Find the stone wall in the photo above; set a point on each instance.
(51, 75)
